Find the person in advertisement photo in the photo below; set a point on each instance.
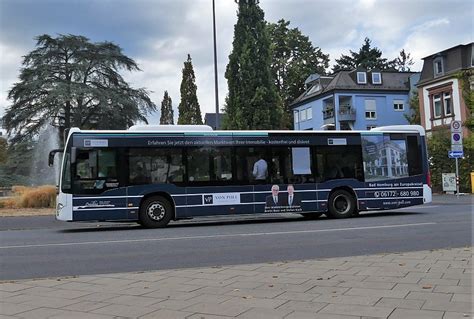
(274, 200)
(283, 202)
(292, 200)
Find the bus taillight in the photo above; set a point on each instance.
(428, 178)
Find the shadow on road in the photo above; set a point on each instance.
(240, 220)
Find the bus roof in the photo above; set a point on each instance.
(207, 130)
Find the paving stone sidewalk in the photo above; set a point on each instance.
(423, 284)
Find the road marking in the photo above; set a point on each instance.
(215, 236)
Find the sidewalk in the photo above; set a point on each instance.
(423, 284)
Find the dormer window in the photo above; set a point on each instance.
(438, 66)
(361, 78)
(376, 78)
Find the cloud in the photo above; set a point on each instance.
(10, 62)
(159, 34)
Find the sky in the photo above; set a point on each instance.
(158, 34)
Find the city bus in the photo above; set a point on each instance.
(155, 174)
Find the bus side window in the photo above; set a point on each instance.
(155, 165)
(336, 162)
(414, 156)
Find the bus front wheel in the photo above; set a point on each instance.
(341, 204)
(155, 212)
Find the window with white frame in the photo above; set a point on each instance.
(361, 78)
(296, 115)
(437, 105)
(447, 104)
(438, 66)
(376, 78)
(309, 113)
(303, 115)
(398, 105)
(370, 110)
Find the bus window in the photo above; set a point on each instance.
(414, 156)
(291, 165)
(336, 162)
(222, 164)
(94, 168)
(66, 173)
(385, 157)
(158, 165)
(248, 171)
(209, 164)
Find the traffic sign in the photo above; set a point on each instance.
(456, 148)
(456, 127)
(456, 136)
(455, 154)
(449, 182)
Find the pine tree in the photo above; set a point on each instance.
(189, 110)
(69, 82)
(403, 62)
(414, 117)
(368, 58)
(166, 110)
(252, 102)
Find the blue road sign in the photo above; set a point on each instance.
(455, 154)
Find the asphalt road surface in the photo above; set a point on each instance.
(37, 247)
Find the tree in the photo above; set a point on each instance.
(253, 101)
(189, 110)
(294, 58)
(3, 150)
(16, 170)
(438, 146)
(403, 62)
(466, 78)
(367, 58)
(166, 110)
(414, 117)
(68, 81)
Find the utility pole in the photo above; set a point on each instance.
(215, 64)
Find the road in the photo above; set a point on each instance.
(34, 247)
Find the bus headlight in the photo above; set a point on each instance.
(58, 208)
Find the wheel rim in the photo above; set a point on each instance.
(342, 204)
(156, 211)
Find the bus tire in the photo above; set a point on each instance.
(341, 204)
(155, 212)
(310, 216)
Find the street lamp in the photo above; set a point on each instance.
(215, 64)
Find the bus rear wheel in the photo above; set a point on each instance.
(342, 204)
(155, 212)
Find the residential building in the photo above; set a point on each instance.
(354, 100)
(440, 90)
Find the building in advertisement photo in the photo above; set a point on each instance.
(384, 158)
(354, 100)
(440, 89)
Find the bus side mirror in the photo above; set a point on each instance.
(51, 156)
(73, 154)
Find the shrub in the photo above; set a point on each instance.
(31, 197)
(438, 146)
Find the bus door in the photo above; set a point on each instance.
(98, 193)
(290, 185)
(337, 166)
(212, 187)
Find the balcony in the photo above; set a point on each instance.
(328, 115)
(347, 114)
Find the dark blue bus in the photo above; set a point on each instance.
(155, 174)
